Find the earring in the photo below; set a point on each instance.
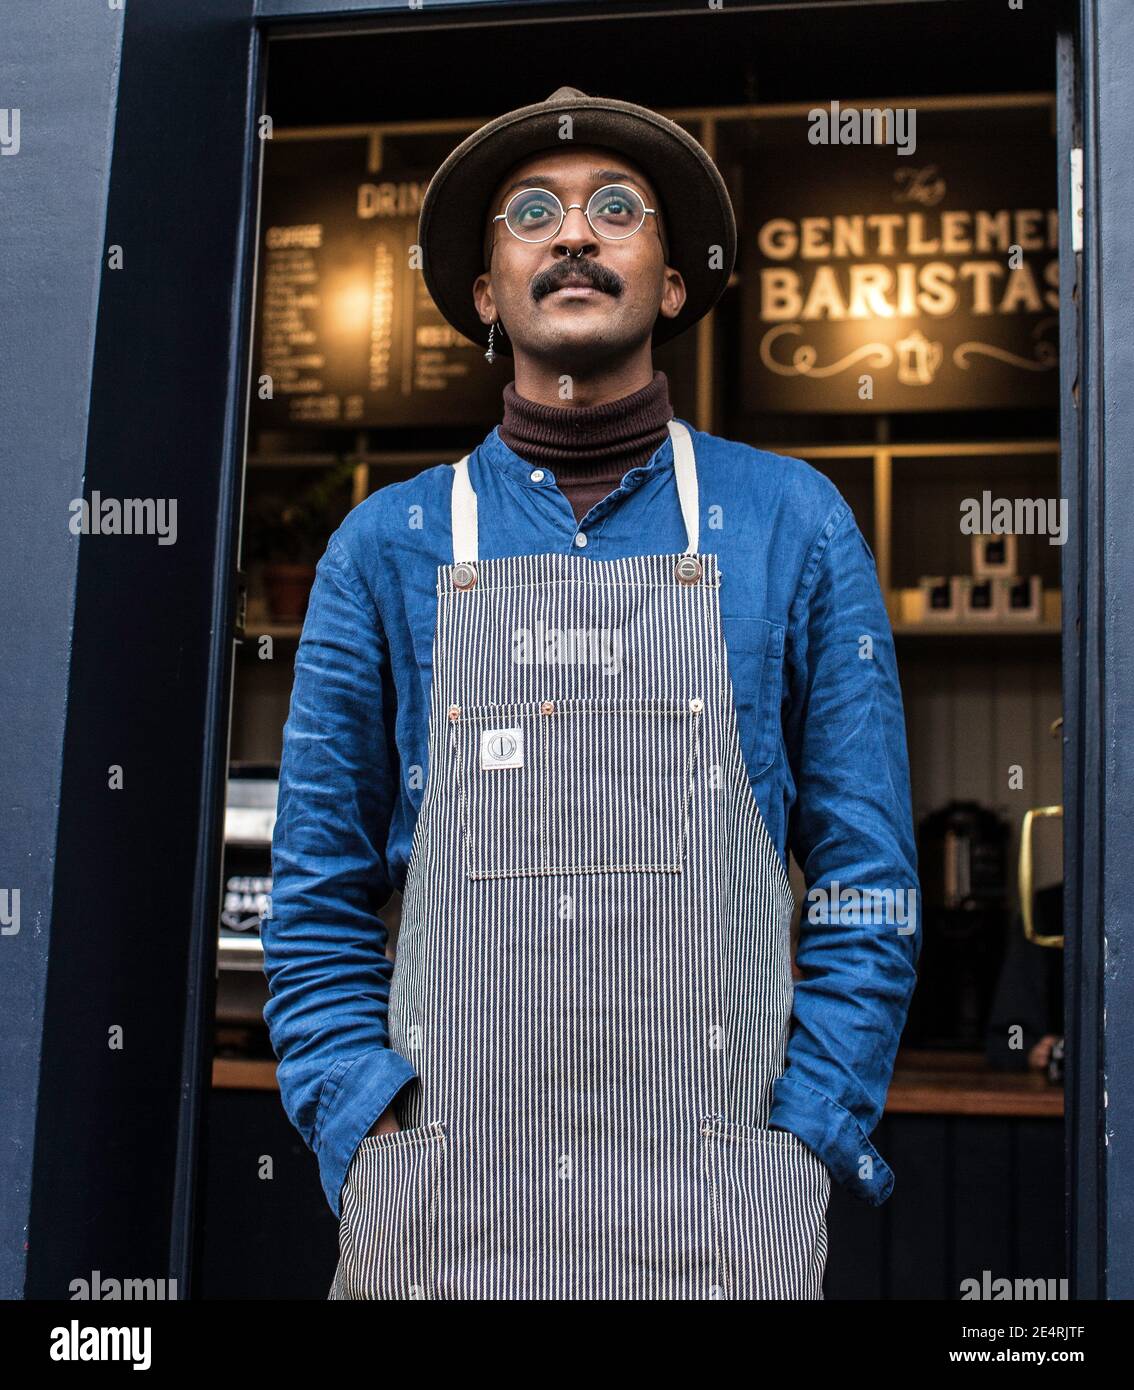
(490, 355)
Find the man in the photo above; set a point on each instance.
(576, 696)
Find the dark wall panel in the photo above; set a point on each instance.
(131, 955)
(62, 78)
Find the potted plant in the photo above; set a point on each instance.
(286, 532)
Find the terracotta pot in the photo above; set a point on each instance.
(288, 588)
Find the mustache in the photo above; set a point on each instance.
(596, 274)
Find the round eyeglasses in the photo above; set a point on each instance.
(614, 213)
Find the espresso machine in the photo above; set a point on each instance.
(246, 891)
(963, 871)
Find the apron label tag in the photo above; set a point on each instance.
(502, 748)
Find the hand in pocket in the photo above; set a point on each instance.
(386, 1123)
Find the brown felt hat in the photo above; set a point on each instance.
(696, 209)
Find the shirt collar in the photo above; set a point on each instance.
(506, 461)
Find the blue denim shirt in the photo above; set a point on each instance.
(820, 717)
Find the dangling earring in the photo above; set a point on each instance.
(490, 355)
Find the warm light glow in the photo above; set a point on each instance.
(349, 309)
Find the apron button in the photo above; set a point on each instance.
(696, 705)
(464, 575)
(547, 707)
(454, 713)
(688, 569)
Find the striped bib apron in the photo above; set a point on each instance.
(593, 975)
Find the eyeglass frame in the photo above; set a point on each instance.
(570, 207)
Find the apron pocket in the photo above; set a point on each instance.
(756, 668)
(388, 1230)
(585, 786)
(770, 1195)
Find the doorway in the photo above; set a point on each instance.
(978, 626)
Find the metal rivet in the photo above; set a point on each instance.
(696, 705)
(688, 569)
(464, 575)
(454, 713)
(547, 707)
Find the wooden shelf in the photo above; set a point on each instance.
(923, 1084)
(293, 460)
(904, 604)
(964, 1084)
(240, 1074)
(882, 457)
(283, 632)
(945, 629)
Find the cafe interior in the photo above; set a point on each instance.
(893, 319)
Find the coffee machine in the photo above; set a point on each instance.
(246, 889)
(963, 870)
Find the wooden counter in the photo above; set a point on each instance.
(238, 1074)
(962, 1083)
(925, 1083)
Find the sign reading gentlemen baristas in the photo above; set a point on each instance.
(915, 272)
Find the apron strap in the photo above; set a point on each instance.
(464, 514)
(687, 493)
(685, 471)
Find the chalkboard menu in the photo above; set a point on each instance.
(347, 334)
(880, 281)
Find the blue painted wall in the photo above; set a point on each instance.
(59, 64)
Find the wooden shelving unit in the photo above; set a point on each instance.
(1049, 624)
(881, 459)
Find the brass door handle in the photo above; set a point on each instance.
(1027, 875)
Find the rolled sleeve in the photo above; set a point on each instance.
(355, 1093)
(851, 831)
(835, 1135)
(324, 942)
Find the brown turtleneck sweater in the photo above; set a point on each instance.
(588, 448)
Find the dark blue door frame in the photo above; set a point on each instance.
(107, 991)
(119, 931)
(1098, 656)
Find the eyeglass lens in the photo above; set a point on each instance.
(615, 212)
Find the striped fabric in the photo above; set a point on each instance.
(593, 976)
(513, 821)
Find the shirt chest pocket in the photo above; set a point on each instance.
(756, 669)
(575, 786)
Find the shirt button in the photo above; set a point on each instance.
(537, 475)
(581, 539)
